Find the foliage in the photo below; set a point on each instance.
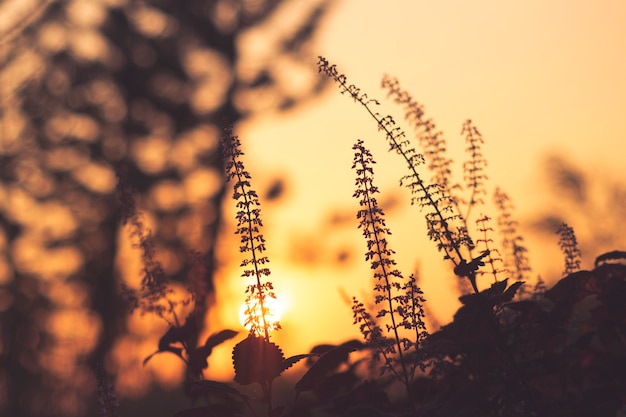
(508, 351)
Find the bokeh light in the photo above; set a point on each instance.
(89, 86)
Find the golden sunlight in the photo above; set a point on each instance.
(275, 308)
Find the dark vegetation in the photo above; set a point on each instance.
(514, 347)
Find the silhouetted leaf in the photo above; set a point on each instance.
(198, 356)
(326, 363)
(615, 256)
(497, 288)
(219, 338)
(289, 362)
(198, 359)
(178, 334)
(464, 269)
(319, 350)
(173, 335)
(488, 297)
(509, 293)
(257, 360)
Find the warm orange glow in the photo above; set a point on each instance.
(152, 22)
(275, 308)
(151, 153)
(98, 178)
(534, 76)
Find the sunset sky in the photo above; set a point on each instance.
(535, 77)
(130, 93)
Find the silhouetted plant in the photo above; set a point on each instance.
(474, 168)
(401, 301)
(486, 345)
(493, 254)
(515, 253)
(569, 247)
(445, 225)
(252, 241)
(154, 283)
(502, 354)
(434, 146)
(431, 139)
(154, 295)
(256, 359)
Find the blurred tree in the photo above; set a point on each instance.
(88, 87)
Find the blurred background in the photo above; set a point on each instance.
(95, 90)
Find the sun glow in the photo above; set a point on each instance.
(274, 307)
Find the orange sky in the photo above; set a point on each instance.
(534, 77)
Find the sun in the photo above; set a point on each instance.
(275, 306)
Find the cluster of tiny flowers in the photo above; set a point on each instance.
(569, 247)
(400, 302)
(252, 242)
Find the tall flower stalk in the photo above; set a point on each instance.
(569, 247)
(400, 301)
(446, 226)
(252, 241)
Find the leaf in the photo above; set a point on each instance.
(464, 269)
(175, 350)
(497, 288)
(319, 350)
(178, 334)
(257, 360)
(326, 363)
(509, 293)
(175, 334)
(610, 257)
(198, 356)
(289, 362)
(219, 338)
(487, 296)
